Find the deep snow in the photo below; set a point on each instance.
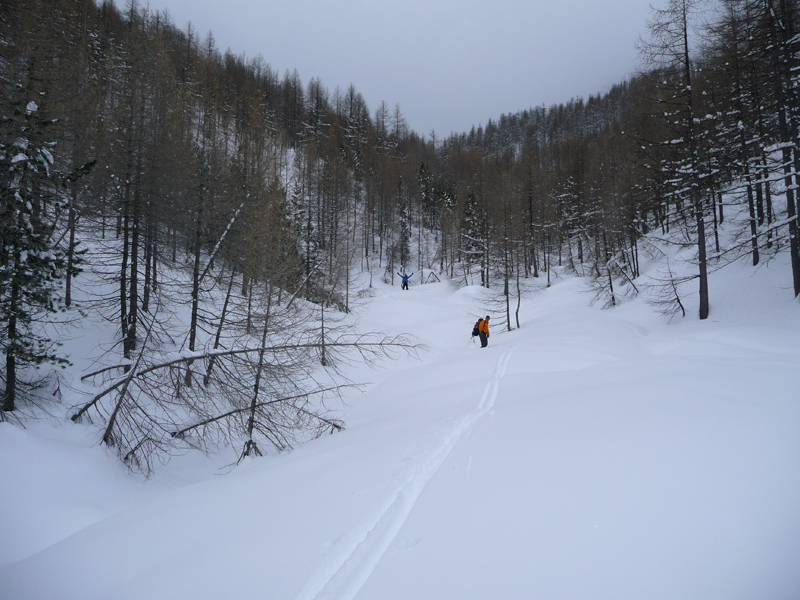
(589, 454)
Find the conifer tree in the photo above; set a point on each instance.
(32, 259)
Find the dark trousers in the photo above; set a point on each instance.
(404, 285)
(484, 339)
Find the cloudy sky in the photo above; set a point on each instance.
(449, 64)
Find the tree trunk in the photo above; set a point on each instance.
(71, 245)
(198, 238)
(219, 328)
(250, 445)
(9, 398)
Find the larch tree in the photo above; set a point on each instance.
(678, 156)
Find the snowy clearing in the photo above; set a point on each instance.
(589, 454)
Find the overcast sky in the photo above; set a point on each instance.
(449, 64)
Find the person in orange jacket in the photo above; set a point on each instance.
(483, 331)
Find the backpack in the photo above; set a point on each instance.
(475, 330)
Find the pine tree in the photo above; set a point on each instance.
(32, 262)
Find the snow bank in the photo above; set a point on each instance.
(589, 454)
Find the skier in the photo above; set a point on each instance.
(483, 331)
(404, 285)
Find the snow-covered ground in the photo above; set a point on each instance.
(589, 454)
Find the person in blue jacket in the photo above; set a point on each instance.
(404, 285)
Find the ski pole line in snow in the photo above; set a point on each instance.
(350, 568)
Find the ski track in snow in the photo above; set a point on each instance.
(348, 570)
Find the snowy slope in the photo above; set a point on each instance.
(589, 454)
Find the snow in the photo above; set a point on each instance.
(48, 156)
(589, 454)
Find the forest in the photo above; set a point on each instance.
(180, 179)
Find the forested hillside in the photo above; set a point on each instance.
(139, 157)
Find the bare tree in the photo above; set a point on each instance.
(668, 50)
